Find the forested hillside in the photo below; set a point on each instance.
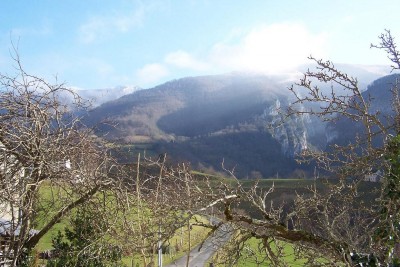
(232, 118)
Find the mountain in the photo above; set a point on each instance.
(186, 107)
(380, 96)
(208, 120)
(380, 93)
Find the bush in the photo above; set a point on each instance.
(84, 244)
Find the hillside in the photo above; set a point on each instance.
(208, 120)
(204, 120)
(380, 96)
(187, 107)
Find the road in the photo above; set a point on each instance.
(199, 258)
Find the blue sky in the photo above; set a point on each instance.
(101, 44)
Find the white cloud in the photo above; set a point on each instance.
(272, 48)
(101, 27)
(183, 59)
(151, 73)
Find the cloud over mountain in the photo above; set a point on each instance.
(274, 48)
(270, 49)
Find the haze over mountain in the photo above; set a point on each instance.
(208, 120)
(100, 96)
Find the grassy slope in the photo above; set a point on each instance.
(258, 258)
(179, 242)
(285, 189)
(45, 210)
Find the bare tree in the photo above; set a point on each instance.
(341, 214)
(51, 164)
(44, 147)
(335, 222)
(159, 205)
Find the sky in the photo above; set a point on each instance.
(93, 44)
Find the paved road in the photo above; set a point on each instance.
(210, 246)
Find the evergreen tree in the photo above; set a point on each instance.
(84, 244)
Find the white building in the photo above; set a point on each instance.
(373, 177)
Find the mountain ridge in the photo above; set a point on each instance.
(210, 119)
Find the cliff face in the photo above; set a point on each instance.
(293, 134)
(297, 133)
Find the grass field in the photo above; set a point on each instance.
(252, 256)
(285, 190)
(178, 244)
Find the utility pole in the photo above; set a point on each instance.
(159, 247)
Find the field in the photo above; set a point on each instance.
(176, 246)
(285, 191)
(253, 257)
